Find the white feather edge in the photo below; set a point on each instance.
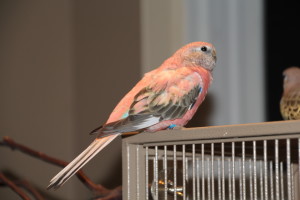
(74, 166)
(147, 122)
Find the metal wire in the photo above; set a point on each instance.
(202, 169)
(194, 171)
(271, 181)
(156, 173)
(233, 169)
(223, 171)
(298, 163)
(281, 180)
(266, 170)
(292, 180)
(250, 179)
(165, 173)
(175, 171)
(277, 170)
(198, 178)
(128, 172)
(288, 166)
(240, 179)
(273, 176)
(254, 170)
(261, 180)
(219, 180)
(184, 172)
(147, 173)
(208, 180)
(137, 172)
(243, 171)
(212, 172)
(229, 179)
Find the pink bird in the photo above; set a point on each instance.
(165, 98)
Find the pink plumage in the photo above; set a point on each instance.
(165, 98)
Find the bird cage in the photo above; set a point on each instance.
(249, 161)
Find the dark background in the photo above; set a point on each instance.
(282, 37)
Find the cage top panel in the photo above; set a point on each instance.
(265, 130)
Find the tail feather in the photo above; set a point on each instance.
(74, 166)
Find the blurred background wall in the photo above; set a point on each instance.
(37, 86)
(63, 67)
(65, 64)
(236, 28)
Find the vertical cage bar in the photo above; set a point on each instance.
(261, 180)
(281, 181)
(156, 172)
(254, 171)
(223, 171)
(137, 172)
(292, 180)
(219, 180)
(198, 178)
(202, 169)
(250, 179)
(277, 191)
(298, 163)
(128, 172)
(194, 171)
(229, 180)
(208, 180)
(240, 179)
(175, 171)
(266, 169)
(147, 173)
(183, 172)
(288, 166)
(243, 171)
(271, 181)
(187, 167)
(233, 170)
(212, 173)
(165, 173)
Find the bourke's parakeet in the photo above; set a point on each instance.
(165, 98)
(290, 100)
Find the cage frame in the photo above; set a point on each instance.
(133, 151)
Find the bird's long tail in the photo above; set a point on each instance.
(66, 173)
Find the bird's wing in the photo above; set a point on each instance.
(290, 105)
(152, 105)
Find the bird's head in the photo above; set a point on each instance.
(199, 53)
(291, 77)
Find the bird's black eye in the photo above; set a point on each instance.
(204, 48)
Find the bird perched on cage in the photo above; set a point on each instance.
(165, 98)
(290, 101)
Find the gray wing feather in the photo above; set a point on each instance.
(152, 113)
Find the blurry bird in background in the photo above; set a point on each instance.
(165, 98)
(290, 100)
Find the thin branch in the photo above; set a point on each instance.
(27, 186)
(115, 194)
(96, 188)
(13, 186)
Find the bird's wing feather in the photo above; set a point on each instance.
(290, 106)
(152, 105)
(74, 166)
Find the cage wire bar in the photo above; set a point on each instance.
(236, 162)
